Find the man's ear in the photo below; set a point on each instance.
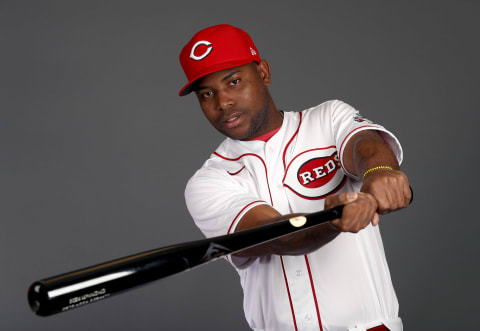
(263, 69)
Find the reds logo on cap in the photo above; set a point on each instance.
(214, 49)
(315, 173)
(201, 42)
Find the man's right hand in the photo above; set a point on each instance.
(359, 211)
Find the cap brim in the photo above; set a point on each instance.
(186, 89)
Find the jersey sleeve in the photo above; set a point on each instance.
(217, 203)
(346, 121)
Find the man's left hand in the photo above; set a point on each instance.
(390, 188)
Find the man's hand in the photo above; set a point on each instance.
(366, 151)
(359, 211)
(390, 188)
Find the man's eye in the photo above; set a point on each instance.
(207, 94)
(235, 81)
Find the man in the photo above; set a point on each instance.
(331, 277)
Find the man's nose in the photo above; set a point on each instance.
(225, 100)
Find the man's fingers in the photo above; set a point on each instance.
(358, 213)
(391, 190)
(409, 195)
(340, 199)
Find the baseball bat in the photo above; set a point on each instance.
(78, 288)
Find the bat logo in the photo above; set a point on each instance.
(214, 251)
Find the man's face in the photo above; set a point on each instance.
(236, 101)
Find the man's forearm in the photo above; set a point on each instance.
(370, 158)
(300, 243)
(368, 150)
(357, 214)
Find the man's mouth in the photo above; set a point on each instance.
(233, 121)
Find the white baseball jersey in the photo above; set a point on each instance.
(344, 285)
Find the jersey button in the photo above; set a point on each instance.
(280, 187)
(298, 273)
(308, 317)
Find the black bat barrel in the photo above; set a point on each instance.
(78, 288)
(74, 289)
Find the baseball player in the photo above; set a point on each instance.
(273, 163)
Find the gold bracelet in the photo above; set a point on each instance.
(373, 169)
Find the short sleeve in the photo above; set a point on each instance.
(217, 202)
(346, 121)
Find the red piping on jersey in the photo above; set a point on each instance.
(291, 139)
(289, 297)
(240, 212)
(314, 295)
(250, 154)
(346, 138)
(235, 173)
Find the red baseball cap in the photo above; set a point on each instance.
(213, 49)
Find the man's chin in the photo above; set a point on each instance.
(236, 134)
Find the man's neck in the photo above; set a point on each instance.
(266, 137)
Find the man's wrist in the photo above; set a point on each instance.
(369, 171)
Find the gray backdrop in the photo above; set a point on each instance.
(96, 146)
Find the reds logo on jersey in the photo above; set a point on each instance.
(315, 173)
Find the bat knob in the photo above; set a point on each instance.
(35, 295)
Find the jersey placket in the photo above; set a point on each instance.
(296, 272)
